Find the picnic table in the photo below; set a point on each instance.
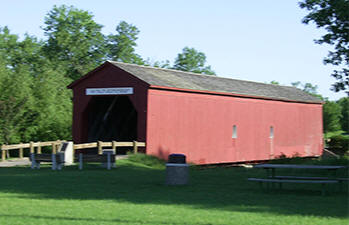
(328, 178)
(56, 159)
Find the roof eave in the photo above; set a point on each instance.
(232, 94)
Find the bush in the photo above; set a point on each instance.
(343, 161)
(339, 144)
(147, 160)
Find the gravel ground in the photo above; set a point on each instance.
(15, 162)
(25, 161)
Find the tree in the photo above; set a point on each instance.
(274, 82)
(192, 60)
(15, 53)
(331, 116)
(121, 46)
(308, 87)
(53, 105)
(8, 45)
(34, 101)
(15, 103)
(74, 40)
(333, 16)
(165, 64)
(344, 119)
(17, 62)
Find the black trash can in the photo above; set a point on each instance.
(177, 171)
(177, 158)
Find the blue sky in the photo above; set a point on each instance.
(257, 40)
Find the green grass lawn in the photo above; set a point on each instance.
(134, 193)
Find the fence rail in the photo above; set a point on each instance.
(32, 146)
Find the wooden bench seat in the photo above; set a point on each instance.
(293, 181)
(311, 178)
(296, 181)
(301, 178)
(343, 179)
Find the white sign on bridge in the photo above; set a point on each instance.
(109, 91)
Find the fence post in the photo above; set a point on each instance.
(39, 148)
(3, 154)
(31, 147)
(58, 145)
(74, 150)
(113, 146)
(21, 152)
(53, 148)
(135, 147)
(99, 144)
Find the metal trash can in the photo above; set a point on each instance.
(177, 171)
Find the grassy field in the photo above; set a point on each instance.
(134, 193)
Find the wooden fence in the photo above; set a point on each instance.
(35, 147)
(112, 144)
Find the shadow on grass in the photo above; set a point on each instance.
(97, 221)
(219, 189)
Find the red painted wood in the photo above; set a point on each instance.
(200, 126)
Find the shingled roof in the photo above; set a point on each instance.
(192, 81)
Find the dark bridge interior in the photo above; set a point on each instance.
(112, 118)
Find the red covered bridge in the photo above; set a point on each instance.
(209, 119)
